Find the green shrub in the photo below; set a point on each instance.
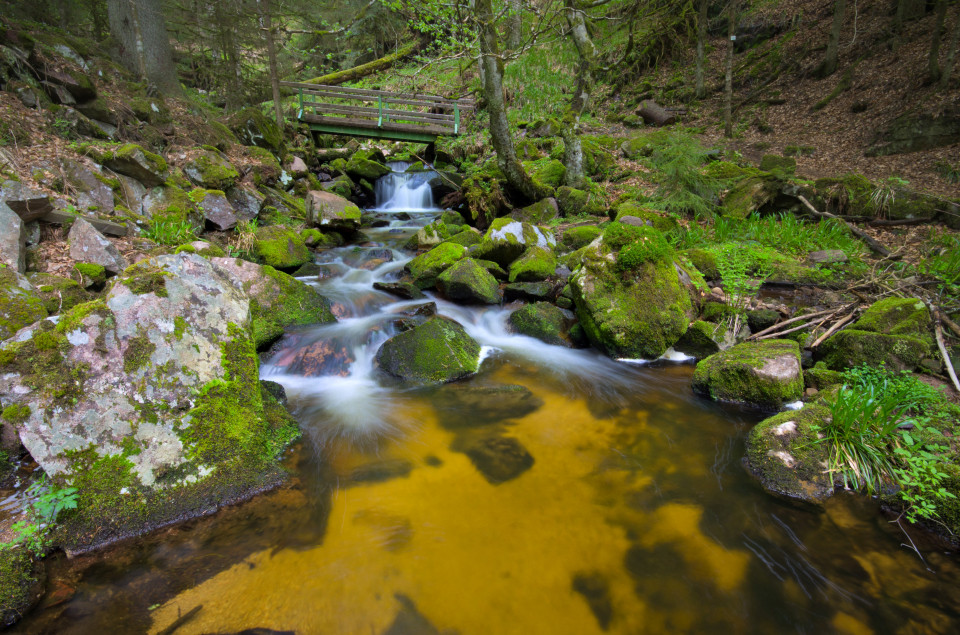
(170, 232)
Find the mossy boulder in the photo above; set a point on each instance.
(21, 584)
(201, 248)
(750, 195)
(253, 128)
(765, 374)
(702, 339)
(894, 331)
(658, 220)
(215, 208)
(546, 171)
(437, 351)
(20, 304)
(534, 265)
(577, 202)
(781, 167)
(211, 170)
(784, 454)
(467, 236)
(507, 239)
(148, 402)
(821, 377)
(466, 281)
(280, 247)
(89, 245)
(538, 213)
(168, 203)
(331, 211)
(362, 166)
(629, 295)
(427, 266)
(262, 166)
(133, 161)
(543, 321)
(576, 237)
(277, 300)
(429, 235)
(58, 294)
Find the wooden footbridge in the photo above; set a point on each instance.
(376, 113)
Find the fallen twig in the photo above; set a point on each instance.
(859, 233)
(779, 325)
(833, 329)
(938, 330)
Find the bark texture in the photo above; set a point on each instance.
(144, 46)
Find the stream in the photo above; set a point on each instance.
(557, 491)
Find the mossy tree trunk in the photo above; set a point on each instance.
(351, 74)
(829, 65)
(933, 66)
(701, 47)
(491, 62)
(951, 53)
(572, 146)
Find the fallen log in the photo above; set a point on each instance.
(655, 114)
(874, 246)
(351, 74)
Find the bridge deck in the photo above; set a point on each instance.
(380, 114)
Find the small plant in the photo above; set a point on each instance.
(885, 195)
(949, 171)
(46, 502)
(742, 280)
(62, 128)
(246, 236)
(683, 187)
(167, 232)
(919, 475)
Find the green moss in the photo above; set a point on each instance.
(439, 350)
(296, 303)
(208, 251)
(895, 331)
(750, 195)
(145, 277)
(212, 171)
(745, 374)
(469, 282)
(577, 237)
(659, 220)
(821, 377)
(15, 413)
(180, 327)
(253, 128)
(426, 267)
(546, 171)
(42, 366)
(156, 162)
(18, 307)
(281, 248)
(138, 352)
(90, 270)
(16, 582)
(58, 294)
(534, 265)
(896, 316)
(543, 321)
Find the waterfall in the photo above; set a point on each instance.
(406, 191)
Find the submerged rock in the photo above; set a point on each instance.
(466, 405)
(22, 578)
(498, 459)
(765, 374)
(149, 401)
(784, 455)
(437, 351)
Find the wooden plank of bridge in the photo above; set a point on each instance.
(464, 103)
(372, 124)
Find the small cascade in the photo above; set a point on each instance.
(405, 191)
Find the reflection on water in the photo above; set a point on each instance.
(555, 492)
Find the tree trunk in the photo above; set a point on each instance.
(951, 53)
(933, 67)
(572, 145)
(500, 136)
(702, 47)
(728, 81)
(350, 74)
(267, 19)
(829, 65)
(514, 24)
(144, 46)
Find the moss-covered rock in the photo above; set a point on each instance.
(20, 304)
(211, 170)
(133, 161)
(169, 203)
(148, 402)
(534, 265)
(253, 128)
(783, 453)
(576, 237)
(638, 309)
(437, 351)
(765, 374)
(466, 281)
(427, 266)
(281, 248)
(575, 202)
(538, 213)
(201, 248)
(468, 236)
(331, 211)
(21, 584)
(507, 239)
(761, 319)
(546, 171)
(750, 195)
(362, 166)
(58, 294)
(543, 321)
(821, 377)
(658, 220)
(702, 339)
(429, 235)
(263, 167)
(277, 300)
(894, 331)
(781, 167)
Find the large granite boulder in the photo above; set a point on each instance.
(785, 455)
(427, 266)
(437, 351)
(211, 170)
(631, 296)
(13, 239)
(281, 248)
(133, 161)
(89, 245)
(765, 374)
(507, 239)
(20, 305)
(216, 209)
(331, 211)
(893, 331)
(148, 402)
(277, 300)
(468, 282)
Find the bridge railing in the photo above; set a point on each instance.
(358, 108)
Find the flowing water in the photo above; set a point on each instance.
(635, 515)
